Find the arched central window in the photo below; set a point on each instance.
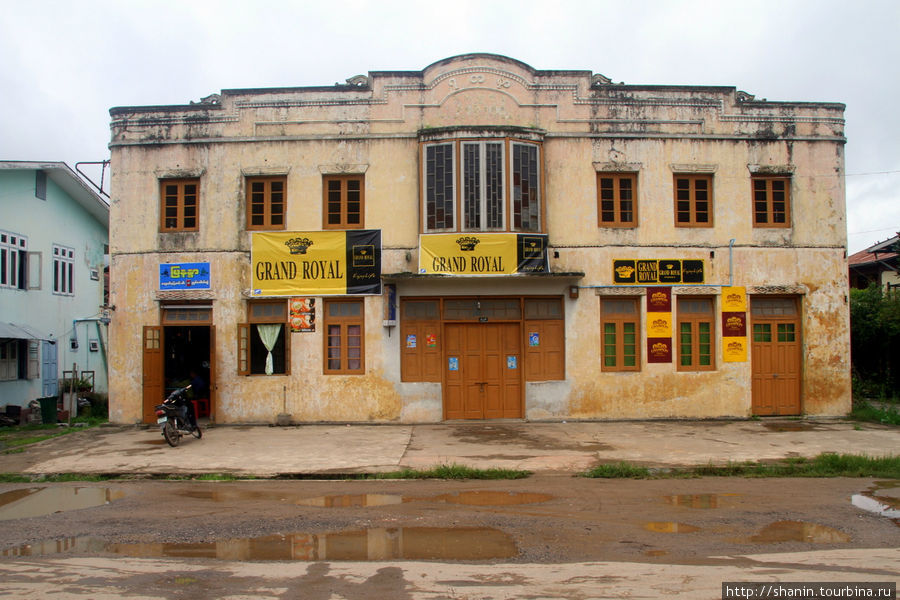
(485, 183)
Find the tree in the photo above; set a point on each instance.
(875, 341)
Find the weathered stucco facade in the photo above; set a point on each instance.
(441, 151)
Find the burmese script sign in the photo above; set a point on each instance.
(651, 272)
(316, 263)
(483, 254)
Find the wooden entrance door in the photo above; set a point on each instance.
(483, 371)
(152, 370)
(775, 356)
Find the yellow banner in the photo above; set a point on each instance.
(734, 299)
(659, 325)
(315, 263)
(469, 253)
(734, 349)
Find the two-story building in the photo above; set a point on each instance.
(54, 235)
(480, 240)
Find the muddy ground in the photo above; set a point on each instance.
(542, 519)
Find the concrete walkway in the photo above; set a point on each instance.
(539, 447)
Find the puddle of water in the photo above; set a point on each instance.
(696, 500)
(670, 527)
(411, 543)
(875, 505)
(799, 531)
(474, 498)
(230, 495)
(36, 502)
(351, 500)
(489, 498)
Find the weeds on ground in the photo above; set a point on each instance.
(865, 411)
(823, 465)
(620, 470)
(13, 438)
(453, 471)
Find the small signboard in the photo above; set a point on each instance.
(184, 276)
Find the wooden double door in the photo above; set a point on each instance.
(483, 371)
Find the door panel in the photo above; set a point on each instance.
(776, 364)
(487, 384)
(49, 369)
(152, 343)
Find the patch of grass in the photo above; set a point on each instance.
(620, 470)
(24, 435)
(823, 465)
(453, 471)
(865, 411)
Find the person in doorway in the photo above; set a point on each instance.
(198, 386)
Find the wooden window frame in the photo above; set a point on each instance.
(446, 187)
(343, 214)
(181, 205)
(694, 322)
(244, 340)
(344, 323)
(767, 197)
(619, 320)
(267, 202)
(693, 200)
(616, 198)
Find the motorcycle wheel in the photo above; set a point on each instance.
(196, 432)
(171, 434)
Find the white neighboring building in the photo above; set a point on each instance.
(54, 236)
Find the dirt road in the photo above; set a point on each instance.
(552, 536)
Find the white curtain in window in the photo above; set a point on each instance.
(269, 335)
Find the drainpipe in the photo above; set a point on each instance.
(731, 262)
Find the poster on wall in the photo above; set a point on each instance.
(315, 263)
(734, 324)
(659, 324)
(482, 254)
(303, 314)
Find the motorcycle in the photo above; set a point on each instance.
(172, 416)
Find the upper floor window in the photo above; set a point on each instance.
(63, 270)
(343, 202)
(179, 204)
(481, 185)
(13, 260)
(771, 201)
(616, 204)
(266, 202)
(693, 201)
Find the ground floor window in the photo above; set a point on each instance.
(695, 334)
(263, 346)
(620, 327)
(19, 359)
(344, 337)
(9, 360)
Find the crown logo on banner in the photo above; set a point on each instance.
(467, 243)
(299, 245)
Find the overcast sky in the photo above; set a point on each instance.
(64, 64)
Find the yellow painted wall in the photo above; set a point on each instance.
(376, 130)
